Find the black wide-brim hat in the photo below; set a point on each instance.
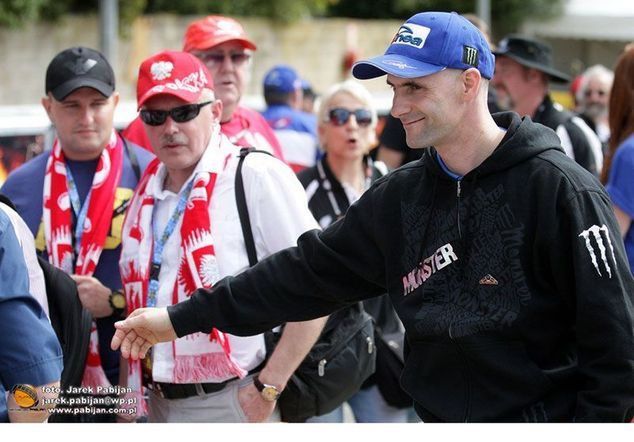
(531, 53)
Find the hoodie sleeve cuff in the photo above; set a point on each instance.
(182, 316)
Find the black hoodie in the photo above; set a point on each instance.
(512, 284)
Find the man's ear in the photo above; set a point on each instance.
(216, 109)
(471, 80)
(47, 102)
(115, 97)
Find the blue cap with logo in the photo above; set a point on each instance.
(282, 78)
(428, 43)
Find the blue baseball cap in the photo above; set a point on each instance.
(282, 78)
(428, 43)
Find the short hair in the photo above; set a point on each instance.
(352, 88)
(599, 71)
(272, 97)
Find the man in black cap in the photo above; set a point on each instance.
(73, 198)
(523, 69)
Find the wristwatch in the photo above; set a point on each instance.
(117, 302)
(269, 392)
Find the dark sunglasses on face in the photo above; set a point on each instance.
(180, 114)
(340, 116)
(238, 58)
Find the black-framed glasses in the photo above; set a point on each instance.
(217, 58)
(340, 116)
(180, 114)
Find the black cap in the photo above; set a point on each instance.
(79, 67)
(531, 53)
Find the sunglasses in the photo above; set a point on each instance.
(215, 59)
(340, 116)
(180, 114)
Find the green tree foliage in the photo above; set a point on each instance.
(282, 10)
(506, 15)
(15, 12)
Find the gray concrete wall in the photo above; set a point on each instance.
(314, 47)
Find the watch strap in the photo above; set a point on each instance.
(117, 310)
(266, 390)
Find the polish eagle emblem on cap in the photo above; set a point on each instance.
(161, 70)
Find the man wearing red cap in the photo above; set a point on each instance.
(183, 232)
(224, 47)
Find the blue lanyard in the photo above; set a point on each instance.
(159, 244)
(81, 210)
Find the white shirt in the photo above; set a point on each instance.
(37, 286)
(279, 215)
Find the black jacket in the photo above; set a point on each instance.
(513, 285)
(579, 139)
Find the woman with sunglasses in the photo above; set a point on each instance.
(346, 128)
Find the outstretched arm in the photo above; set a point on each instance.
(142, 329)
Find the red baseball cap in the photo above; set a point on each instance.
(179, 74)
(213, 30)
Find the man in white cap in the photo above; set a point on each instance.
(500, 254)
(183, 232)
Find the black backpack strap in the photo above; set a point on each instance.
(243, 211)
(5, 199)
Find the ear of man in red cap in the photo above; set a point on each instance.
(183, 232)
(222, 44)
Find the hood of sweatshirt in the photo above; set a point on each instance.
(523, 140)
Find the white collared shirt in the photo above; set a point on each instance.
(279, 215)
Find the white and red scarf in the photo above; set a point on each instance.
(199, 357)
(58, 229)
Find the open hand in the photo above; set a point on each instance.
(141, 330)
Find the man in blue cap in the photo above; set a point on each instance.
(500, 254)
(296, 130)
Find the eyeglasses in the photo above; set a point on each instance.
(340, 116)
(213, 59)
(589, 92)
(180, 114)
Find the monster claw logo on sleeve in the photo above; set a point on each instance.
(599, 237)
(25, 395)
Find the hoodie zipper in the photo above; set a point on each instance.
(458, 191)
(466, 373)
(456, 343)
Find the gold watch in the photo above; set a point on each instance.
(269, 392)
(117, 302)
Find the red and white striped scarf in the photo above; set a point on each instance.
(199, 357)
(58, 229)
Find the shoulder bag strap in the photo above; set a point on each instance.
(243, 211)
